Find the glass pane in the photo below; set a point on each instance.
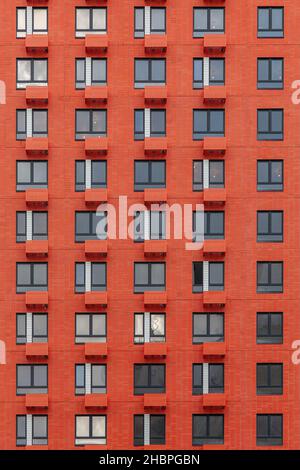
(23, 172)
(82, 224)
(276, 172)
(263, 324)
(141, 172)
(40, 325)
(216, 18)
(276, 273)
(82, 325)
(98, 426)
(99, 121)
(198, 273)
(198, 172)
(23, 376)
(263, 121)
(216, 375)
(157, 274)
(40, 70)
(40, 274)
(276, 324)
(141, 274)
(197, 375)
(139, 324)
(21, 121)
(40, 19)
(157, 374)
(216, 172)
(262, 273)
(82, 18)
(277, 69)
(217, 121)
(39, 424)
(98, 375)
(80, 172)
(262, 172)
(276, 426)
(24, 70)
(263, 222)
(200, 426)
(217, 222)
(216, 324)
(139, 120)
(277, 121)
(80, 375)
(21, 223)
(98, 274)
(276, 375)
(141, 70)
(157, 325)
(200, 325)
(157, 121)
(140, 376)
(40, 376)
(158, 172)
(200, 19)
(99, 18)
(158, 70)
(80, 274)
(277, 18)
(263, 70)
(40, 172)
(21, 426)
(82, 426)
(200, 121)
(216, 426)
(99, 325)
(39, 121)
(23, 274)
(158, 19)
(139, 19)
(21, 325)
(99, 70)
(21, 18)
(40, 223)
(80, 70)
(216, 70)
(157, 427)
(198, 70)
(263, 18)
(82, 121)
(216, 273)
(276, 222)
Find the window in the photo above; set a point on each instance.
(37, 323)
(95, 75)
(269, 276)
(155, 429)
(269, 328)
(216, 174)
(149, 72)
(215, 276)
(270, 175)
(90, 20)
(95, 374)
(37, 223)
(90, 226)
(269, 226)
(149, 276)
(90, 123)
(90, 429)
(90, 328)
(269, 124)
(157, 123)
(213, 225)
(216, 72)
(269, 73)
(31, 174)
(39, 427)
(208, 429)
(269, 379)
(149, 327)
(157, 21)
(32, 277)
(208, 123)
(149, 174)
(269, 430)
(208, 21)
(32, 378)
(154, 229)
(95, 170)
(149, 378)
(32, 72)
(96, 278)
(38, 17)
(39, 123)
(210, 381)
(208, 327)
(270, 22)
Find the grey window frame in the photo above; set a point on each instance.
(83, 135)
(21, 440)
(208, 338)
(140, 33)
(197, 389)
(21, 338)
(139, 221)
(269, 338)
(149, 388)
(199, 84)
(34, 30)
(140, 135)
(208, 133)
(23, 135)
(269, 287)
(270, 236)
(199, 33)
(208, 233)
(90, 235)
(140, 339)
(269, 388)
(208, 438)
(150, 81)
(269, 439)
(80, 288)
(270, 32)
(82, 339)
(91, 13)
(81, 84)
(270, 185)
(140, 288)
(197, 288)
(90, 435)
(81, 186)
(32, 388)
(270, 134)
(138, 438)
(31, 184)
(98, 389)
(21, 237)
(22, 288)
(32, 65)
(149, 184)
(270, 84)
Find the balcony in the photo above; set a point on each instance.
(95, 299)
(155, 94)
(96, 94)
(214, 298)
(155, 43)
(98, 350)
(36, 298)
(95, 400)
(155, 350)
(36, 43)
(36, 400)
(94, 146)
(214, 146)
(214, 247)
(155, 196)
(37, 146)
(155, 400)
(155, 247)
(214, 349)
(214, 43)
(36, 197)
(96, 43)
(95, 196)
(36, 248)
(214, 94)
(214, 400)
(158, 299)
(155, 146)
(36, 94)
(95, 248)
(213, 196)
(36, 350)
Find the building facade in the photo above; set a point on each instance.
(121, 343)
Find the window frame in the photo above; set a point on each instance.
(22, 288)
(80, 288)
(81, 390)
(270, 84)
(140, 135)
(81, 85)
(269, 287)
(90, 235)
(140, 33)
(21, 339)
(32, 81)
(149, 388)
(138, 187)
(140, 339)
(269, 440)
(81, 339)
(208, 438)
(199, 33)
(270, 33)
(79, 136)
(208, 338)
(270, 338)
(270, 236)
(32, 389)
(91, 15)
(270, 135)
(22, 237)
(263, 187)
(150, 81)
(269, 388)
(20, 187)
(36, 134)
(35, 440)
(141, 288)
(154, 440)
(208, 133)
(90, 435)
